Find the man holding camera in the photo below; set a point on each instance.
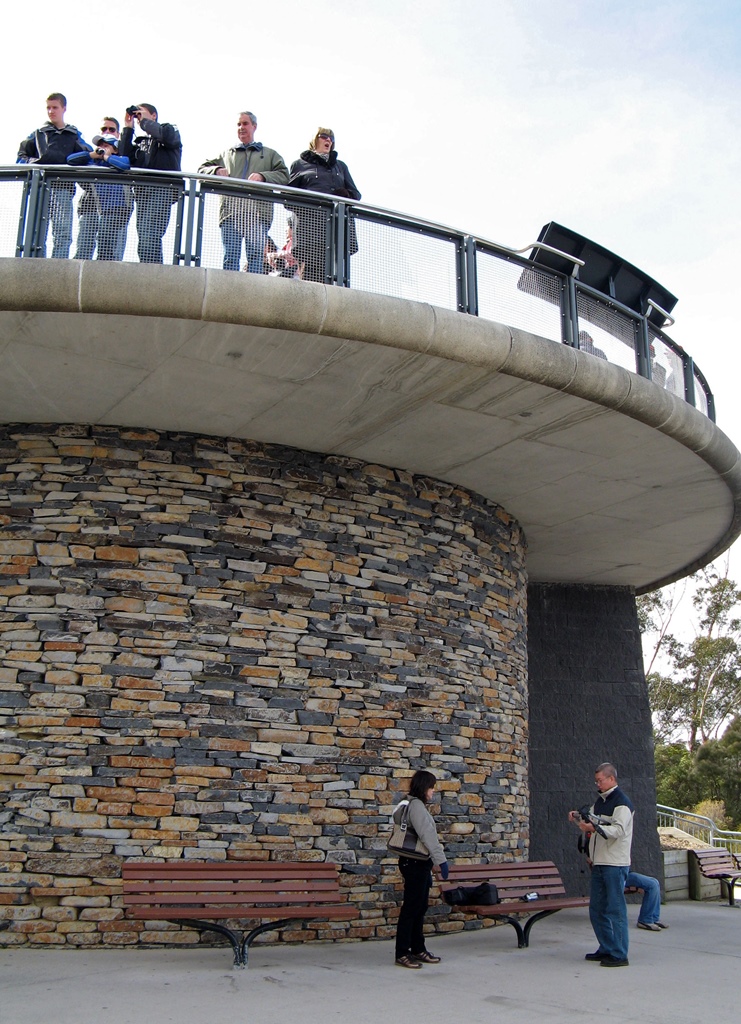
(608, 826)
(111, 199)
(158, 149)
(88, 208)
(246, 220)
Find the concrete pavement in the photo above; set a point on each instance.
(686, 974)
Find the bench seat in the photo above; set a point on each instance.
(205, 894)
(721, 864)
(513, 881)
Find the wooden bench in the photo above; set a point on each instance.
(721, 864)
(513, 881)
(205, 895)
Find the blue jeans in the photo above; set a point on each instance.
(87, 234)
(608, 911)
(254, 233)
(60, 216)
(153, 208)
(651, 903)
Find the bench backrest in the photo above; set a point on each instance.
(220, 883)
(512, 880)
(717, 859)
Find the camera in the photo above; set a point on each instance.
(132, 110)
(99, 152)
(584, 814)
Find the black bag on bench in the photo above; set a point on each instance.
(483, 895)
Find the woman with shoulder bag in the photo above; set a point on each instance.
(417, 873)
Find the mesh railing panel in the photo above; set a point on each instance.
(701, 399)
(667, 369)
(404, 263)
(607, 331)
(107, 218)
(244, 234)
(11, 201)
(520, 296)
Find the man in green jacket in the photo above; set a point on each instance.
(246, 220)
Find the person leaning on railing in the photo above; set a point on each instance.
(158, 149)
(319, 170)
(246, 220)
(110, 197)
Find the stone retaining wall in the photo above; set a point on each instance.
(221, 649)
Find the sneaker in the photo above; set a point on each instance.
(426, 958)
(408, 961)
(596, 957)
(614, 961)
(649, 927)
(660, 924)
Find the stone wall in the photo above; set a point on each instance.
(220, 649)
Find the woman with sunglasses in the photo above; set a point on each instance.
(319, 170)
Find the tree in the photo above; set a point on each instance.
(701, 687)
(718, 770)
(676, 784)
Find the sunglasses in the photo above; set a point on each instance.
(108, 131)
(327, 137)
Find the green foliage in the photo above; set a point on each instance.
(715, 810)
(702, 688)
(707, 780)
(676, 785)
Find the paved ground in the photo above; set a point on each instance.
(686, 975)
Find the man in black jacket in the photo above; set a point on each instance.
(52, 143)
(158, 149)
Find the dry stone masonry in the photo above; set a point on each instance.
(221, 649)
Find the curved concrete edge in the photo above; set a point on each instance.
(218, 296)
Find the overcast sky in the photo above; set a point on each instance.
(621, 121)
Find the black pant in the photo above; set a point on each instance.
(417, 877)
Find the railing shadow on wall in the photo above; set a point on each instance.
(357, 246)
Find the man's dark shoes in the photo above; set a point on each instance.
(596, 958)
(614, 961)
(409, 962)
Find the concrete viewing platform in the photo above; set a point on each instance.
(687, 974)
(614, 480)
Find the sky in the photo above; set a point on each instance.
(619, 121)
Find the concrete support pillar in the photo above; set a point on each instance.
(588, 704)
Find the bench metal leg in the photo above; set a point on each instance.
(537, 917)
(521, 940)
(729, 884)
(250, 937)
(211, 926)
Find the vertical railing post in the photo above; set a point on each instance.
(461, 276)
(189, 257)
(339, 270)
(688, 368)
(37, 223)
(472, 279)
(570, 313)
(643, 349)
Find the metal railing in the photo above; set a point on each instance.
(208, 221)
(698, 826)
